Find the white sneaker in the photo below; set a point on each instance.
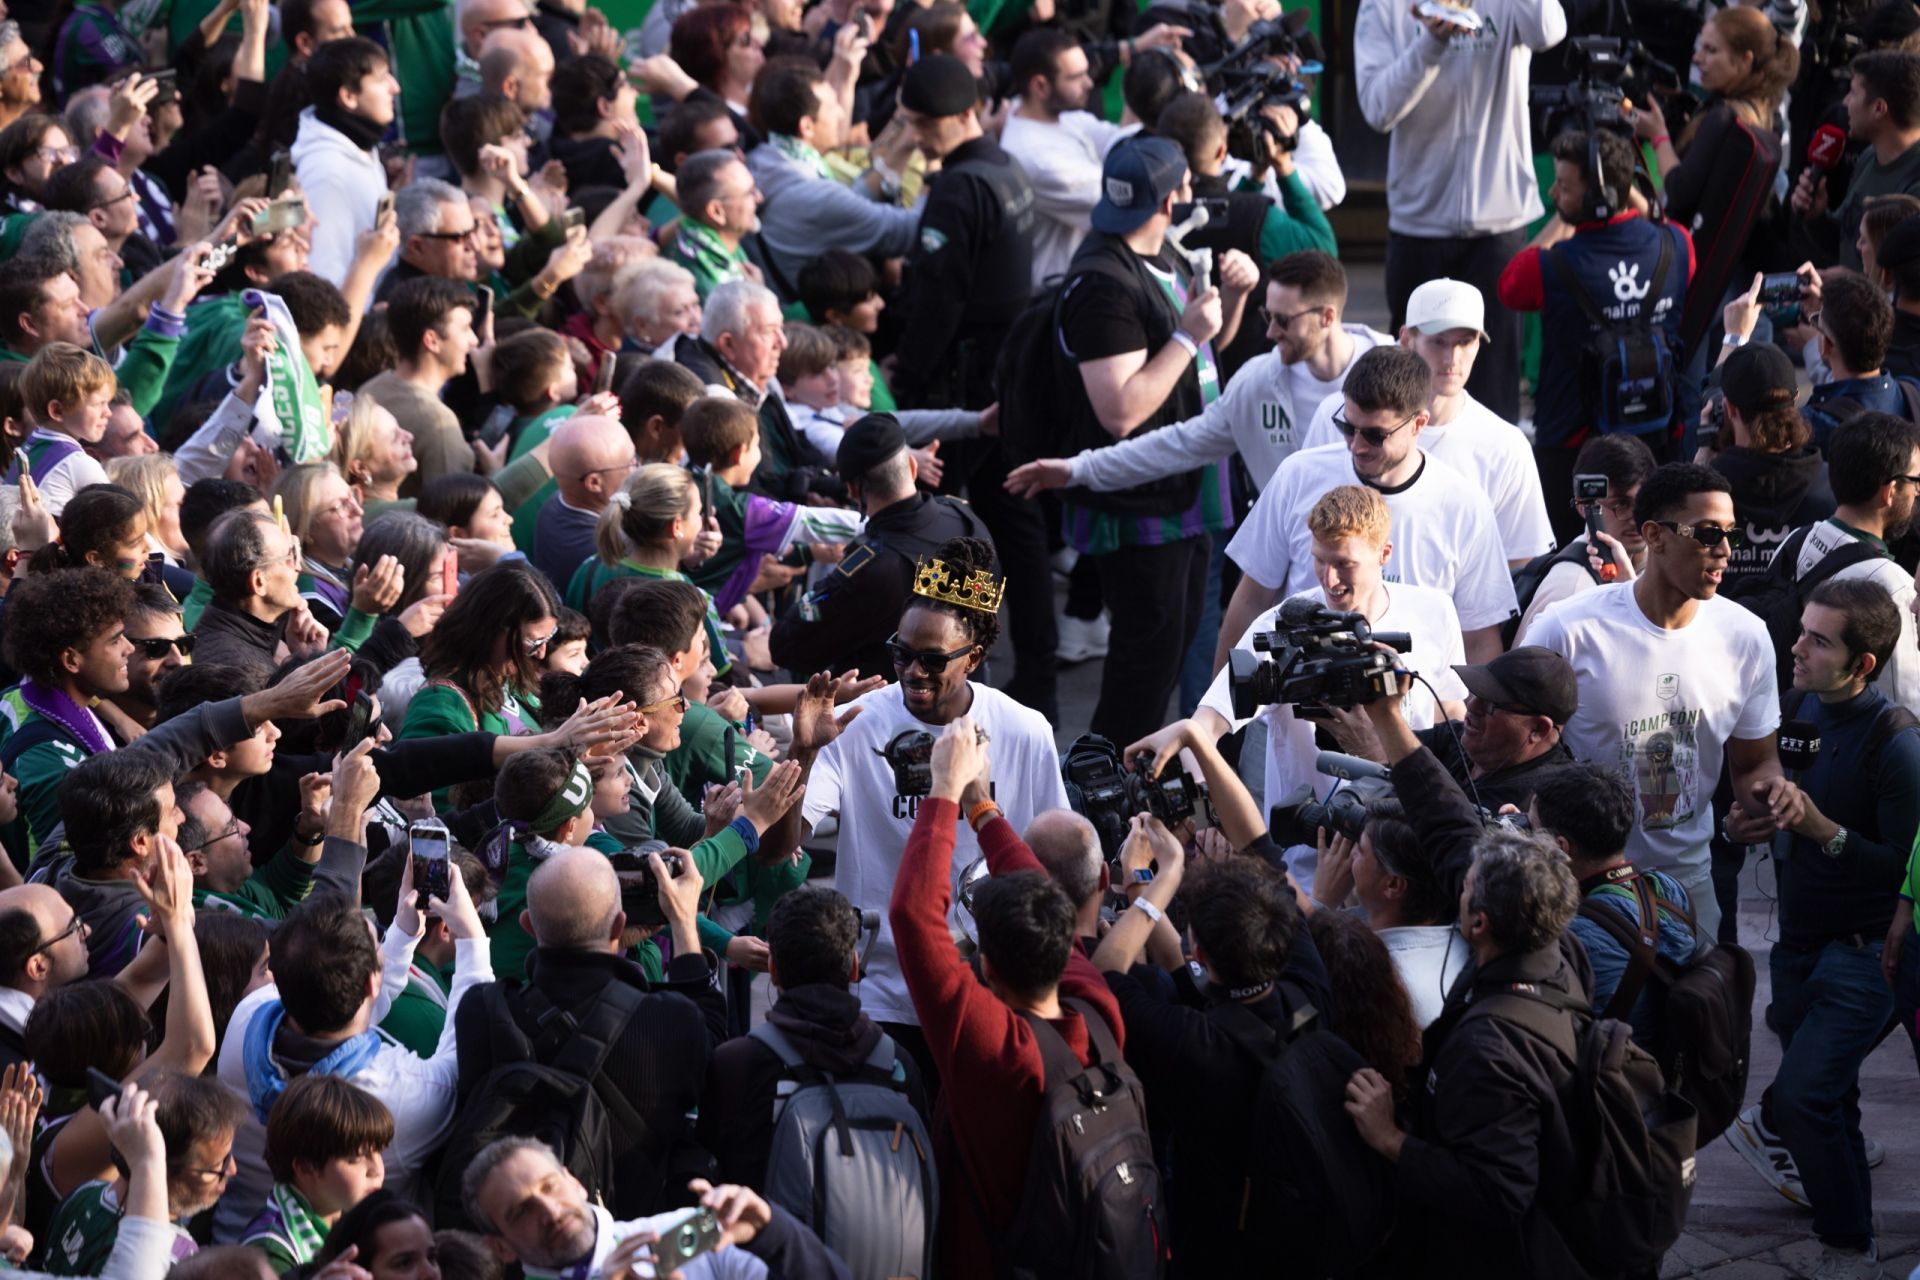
(1847, 1264)
(1876, 1153)
(1063, 560)
(1081, 639)
(1767, 1154)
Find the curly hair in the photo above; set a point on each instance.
(1376, 1012)
(50, 613)
(963, 557)
(1524, 887)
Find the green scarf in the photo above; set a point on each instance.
(306, 1230)
(702, 252)
(293, 394)
(802, 154)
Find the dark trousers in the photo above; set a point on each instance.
(1478, 261)
(1832, 1005)
(1020, 542)
(1155, 596)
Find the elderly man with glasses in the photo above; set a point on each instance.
(256, 618)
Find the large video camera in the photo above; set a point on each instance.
(1607, 71)
(1108, 792)
(1249, 81)
(1320, 658)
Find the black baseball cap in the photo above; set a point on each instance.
(869, 442)
(1530, 679)
(1758, 377)
(939, 85)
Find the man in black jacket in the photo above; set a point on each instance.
(253, 566)
(659, 1060)
(1517, 706)
(813, 941)
(1490, 1141)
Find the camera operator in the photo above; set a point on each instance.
(1349, 530)
(950, 622)
(1460, 182)
(1841, 855)
(1613, 260)
(1306, 293)
(1252, 223)
(1674, 680)
(1883, 111)
(1625, 462)
(1141, 327)
(1444, 534)
(1446, 328)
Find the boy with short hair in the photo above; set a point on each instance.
(69, 397)
(861, 390)
(533, 372)
(722, 438)
(810, 386)
(324, 1141)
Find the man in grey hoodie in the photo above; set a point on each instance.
(1460, 181)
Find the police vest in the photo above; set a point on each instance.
(1615, 264)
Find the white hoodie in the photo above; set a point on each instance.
(343, 185)
(1461, 160)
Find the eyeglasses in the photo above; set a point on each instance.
(233, 829)
(228, 1167)
(75, 925)
(677, 703)
(534, 647)
(1375, 436)
(931, 661)
(58, 155)
(1501, 707)
(454, 236)
(1707, 535)
(1271, 318)
(291, 556)
(520, 23)
(1908, 479)
(625, 468)
(155, 648)
(108, 204)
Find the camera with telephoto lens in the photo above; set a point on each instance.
(1607, 71)
(1319, 658)
(910, 752)
(1511, 821)
(1108, 792)
(639, 889)
(1342, 813)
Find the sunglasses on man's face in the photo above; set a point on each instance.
(931, 661)
(1375, 436)
(1707, 535)
(154, 648)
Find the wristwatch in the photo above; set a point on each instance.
(1733, 340)
(1833, 847)
(1143, 875)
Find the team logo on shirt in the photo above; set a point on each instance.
(1277, 424)
(932, 241)
(1667, 687)
(1660, 756)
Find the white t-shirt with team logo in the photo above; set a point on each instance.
(1443, 536)
(853, 779)
(1426, 616)
(1482, 444)
(1660, 705)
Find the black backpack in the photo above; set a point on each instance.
(1314, 1193)
(1528, 577)
(1629, 373)
(549, 1087)
(1091, 1208)
(1779, 597)
(1846, 408)
(1706, 1008)
(1634, 1134)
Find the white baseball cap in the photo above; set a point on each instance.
(1443, 304)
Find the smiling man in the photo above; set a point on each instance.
(1673, 680)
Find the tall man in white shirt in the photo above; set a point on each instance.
(1672, 680)
(1446, 327)
(1058, 142)
(1306, 292)
(1442, 532)
(1460, 182)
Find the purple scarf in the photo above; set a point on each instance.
(56, 706)
(765, 533)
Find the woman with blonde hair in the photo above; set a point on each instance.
(325, 515)
(654, 525)
(375, 454)
(155, 480)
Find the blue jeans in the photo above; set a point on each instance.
(1831, 1004)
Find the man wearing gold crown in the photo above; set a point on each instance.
(950, 622)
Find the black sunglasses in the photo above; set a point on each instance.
(155, 647)
(931, 661)
(1707, 535)
(1375, 436)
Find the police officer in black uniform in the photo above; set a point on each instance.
(844, 622)
(967, 280)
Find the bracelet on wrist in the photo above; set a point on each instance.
(1186, 340)
(985, 811)
(1660, 140)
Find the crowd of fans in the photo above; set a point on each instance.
(509, 762)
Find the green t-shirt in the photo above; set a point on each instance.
(419, 1013)
(528, 432)
(594, 574)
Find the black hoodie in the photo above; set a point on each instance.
(830, 1032)
(1773, 494)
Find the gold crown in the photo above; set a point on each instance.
(932, 579)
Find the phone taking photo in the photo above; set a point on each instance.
(430, 845)
(450, 574)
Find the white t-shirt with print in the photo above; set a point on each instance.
(1659, 706)
(851, 778)
(1481, 444)
(1426, 616)
(1443, 536)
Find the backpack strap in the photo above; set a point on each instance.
(581, 1046)
(1855, 552)
(1642, 944)
(1061, 1063)
(1911, 391)
(1576, 290)
(1659, 281)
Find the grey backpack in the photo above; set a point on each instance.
(851, 1159)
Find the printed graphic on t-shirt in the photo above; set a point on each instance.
(1660, 756)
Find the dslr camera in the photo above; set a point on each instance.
(1319, 658)
(1607, 70)
(639, 889)
(1108, 792)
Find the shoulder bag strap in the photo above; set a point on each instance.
(587, 1049)
(1639, 947)
(1571, 282)
(1658, 283)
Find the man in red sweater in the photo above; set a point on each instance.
(990, 1066)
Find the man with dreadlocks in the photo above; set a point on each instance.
(951, 620)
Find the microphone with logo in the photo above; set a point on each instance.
(1799, 747)
(1826, 147)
